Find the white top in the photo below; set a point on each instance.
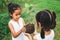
(47, 37)
(18, 27)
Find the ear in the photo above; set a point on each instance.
(39, 25)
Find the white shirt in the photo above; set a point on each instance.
(18, 27)
(47, 37)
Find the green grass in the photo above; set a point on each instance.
(53, 5)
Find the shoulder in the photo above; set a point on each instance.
(52, 33)
(10, 22)
(21, 18)
(50, 36)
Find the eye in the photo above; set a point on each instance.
(16, 14)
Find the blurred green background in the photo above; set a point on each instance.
(29, 10)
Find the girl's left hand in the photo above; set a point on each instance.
(28, 35)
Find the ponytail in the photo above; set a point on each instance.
(42, 33)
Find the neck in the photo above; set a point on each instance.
(15, 20)
(47, 32)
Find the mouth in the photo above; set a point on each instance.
(17, 18)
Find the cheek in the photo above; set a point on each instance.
(14, 16)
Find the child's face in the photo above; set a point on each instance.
(16, 14)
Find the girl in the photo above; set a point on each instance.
(16, 24)
(46, 23)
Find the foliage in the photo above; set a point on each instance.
(4, 30)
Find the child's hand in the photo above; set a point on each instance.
(23, 29)
(29, 36)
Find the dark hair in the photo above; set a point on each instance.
(53, 21)
(30, 28)
(12, 7)
(46, 19)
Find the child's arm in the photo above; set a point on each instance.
(35, 32)
(34, 38)
(15, 34)
(23, 22)
(29, 36)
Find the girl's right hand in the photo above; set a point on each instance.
(23, 29)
